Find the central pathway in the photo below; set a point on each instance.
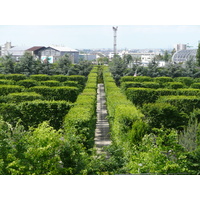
(102, 138)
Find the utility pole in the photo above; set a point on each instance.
(115, 39)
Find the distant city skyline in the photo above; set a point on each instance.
(101, 36)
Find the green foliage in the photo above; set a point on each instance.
(50, 83)
(57, 93)
(182, 103)
(139, 96)
(6, 82)
(163, 115)
(27, 83)
(6, 89)
(20, 97)
(79, 78)
(159, 154)
(60, 78)
(187, 81)
(16, 77)
(40, 77)
(174, 85)
(195, 85)
(163, 80)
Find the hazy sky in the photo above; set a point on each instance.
(100, 36)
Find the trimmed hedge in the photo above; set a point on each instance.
(15, 77)
(6, 89)
(122, 114)
(50, 83)
(7, 82)
(195, 85)
(57, 93)
(129, 84)
(187, 81)
(164, 115)
(60, 78)
(32, 113)
(139, 96)
(21, 96)
(81, 119)
(27, 83)
(40, 77)
(174, 85)
(184, 103)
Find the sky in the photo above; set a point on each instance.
(101, 36)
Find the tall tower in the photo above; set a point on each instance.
(115, 39)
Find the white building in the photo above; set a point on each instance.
(179, 47)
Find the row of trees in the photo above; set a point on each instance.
(28, 66)
(121, 67)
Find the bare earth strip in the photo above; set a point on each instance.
(102, 137)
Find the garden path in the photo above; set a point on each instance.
(102, 138)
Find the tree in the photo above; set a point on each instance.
(198, 56)
(27, 64)
(63, 65)
(117, 68)
(8, 64)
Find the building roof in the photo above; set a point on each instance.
(18, 50)
(35, 48)
(65, 49)
(184, 55)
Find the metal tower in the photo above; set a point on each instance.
(115, 39)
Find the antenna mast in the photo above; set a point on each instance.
(115, 39)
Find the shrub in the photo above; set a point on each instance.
(35, 112)
(188, 92)
(143, 79)
(60, 78)
(32, 113)
(22, 96)
(163, 80)
(127, 79)
(57, 93)
(195, 85)
(50, 83)
(6, 89)
(7, 82)
(40, 77)
(164, 115)
(139, 96)
(187, 81)
(183, 103)
(27, 83)
(15, 77)
(175, 85)
(80, 79)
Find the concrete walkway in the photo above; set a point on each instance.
(102, 138)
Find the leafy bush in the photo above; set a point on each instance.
(50, 83)
(195, 85)
(187, 81)
(40, 77)
(80, 79)
(27, 83)
(163, 80)
(6, 82)
(21, 96)
(60, 78)
(6, 89)
(175, 85)
(15, 77)
(182, 103)
(57, 93)
(164, 115)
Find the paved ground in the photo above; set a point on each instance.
(102, 138)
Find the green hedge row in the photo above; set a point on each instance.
(123, 115)
(139, 96)
(183, 103)
(81, 119)
(32, 113)
(57, 93)
(20, 97)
